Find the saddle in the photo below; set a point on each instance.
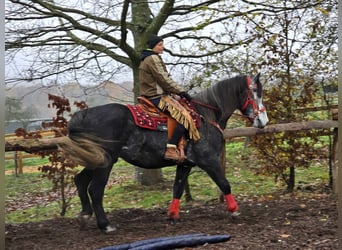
(148, 116)
(149, 106)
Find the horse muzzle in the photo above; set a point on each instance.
(261, 120)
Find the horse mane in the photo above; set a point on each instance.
(224, 95)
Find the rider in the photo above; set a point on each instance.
(155, 82)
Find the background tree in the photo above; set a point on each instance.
(295, 47)
(300, 51)
(14, 111)
(95, 42)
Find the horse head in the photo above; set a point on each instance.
(253, 108)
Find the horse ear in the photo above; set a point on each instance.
(256, 78)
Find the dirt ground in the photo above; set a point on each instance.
(273, 222)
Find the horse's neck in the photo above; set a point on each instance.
(227, 98)
(209, 112)
(224, 118)
(207, 106)
(227, 104)
(212, 112)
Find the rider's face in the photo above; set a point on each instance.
(159, 48)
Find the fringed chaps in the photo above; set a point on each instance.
(180, 114)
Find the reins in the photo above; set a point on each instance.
(205, 105)
(208, 106)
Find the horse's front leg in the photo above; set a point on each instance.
(96, 191)
(215, 172)
(82, 181)
(182, 174)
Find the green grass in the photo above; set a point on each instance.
(28, 182)
(123, 192)
(314, 175)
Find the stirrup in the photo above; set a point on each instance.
(181, 145)
(175, 155)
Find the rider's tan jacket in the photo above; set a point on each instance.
(154, 80)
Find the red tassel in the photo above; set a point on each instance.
(232, 206)
(173, 213)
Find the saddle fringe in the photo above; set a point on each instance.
(180, 114)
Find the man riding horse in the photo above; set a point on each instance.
(99, 135)
(157, 86)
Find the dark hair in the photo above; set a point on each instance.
(153, 41)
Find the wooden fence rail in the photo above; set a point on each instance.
(18, 156)
(277, 128)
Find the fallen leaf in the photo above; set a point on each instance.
(287, 222)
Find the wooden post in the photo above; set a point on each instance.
(20, 162)
(16, 163)
(335, 114)
(334, 158)
(334, 161)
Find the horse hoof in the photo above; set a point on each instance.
(173, 221)
(109, 229)
(83, 220)
(235, 214)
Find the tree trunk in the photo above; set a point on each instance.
(143, 176)
(148, 177)
(291, 180)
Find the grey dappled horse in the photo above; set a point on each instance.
(98, 136)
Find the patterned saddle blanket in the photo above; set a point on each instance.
(145, 119)
(151, 118)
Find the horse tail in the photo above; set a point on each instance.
(85, 150)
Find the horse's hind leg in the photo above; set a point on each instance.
(82, 181)
(182, 174)
(96, 192)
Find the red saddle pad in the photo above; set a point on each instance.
(144, 120)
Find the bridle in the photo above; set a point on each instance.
(251, 100)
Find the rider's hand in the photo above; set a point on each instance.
(186, 96)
